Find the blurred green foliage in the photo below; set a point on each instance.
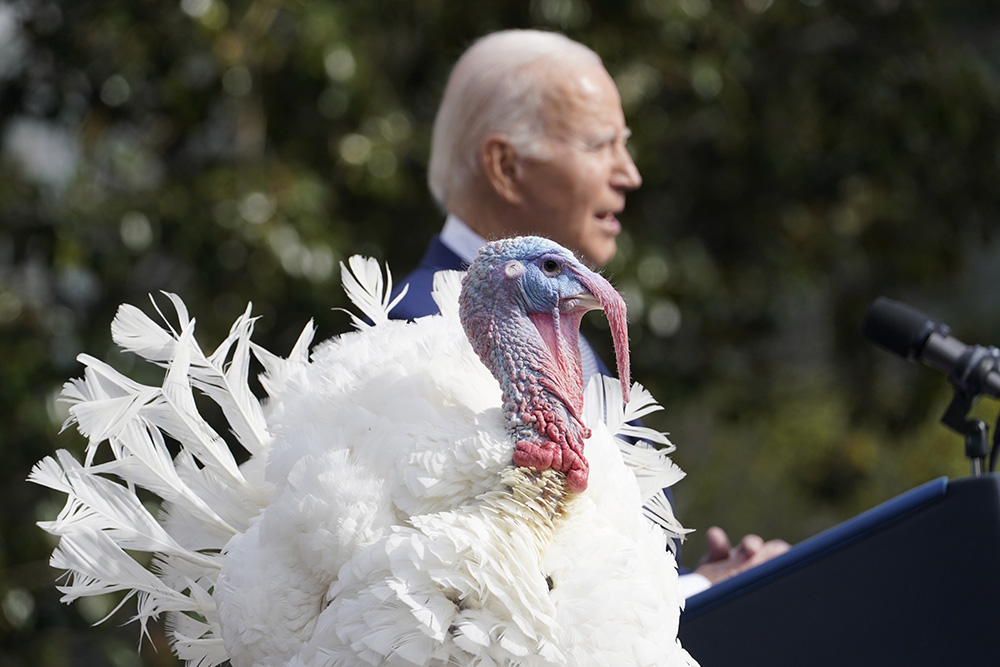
(800, 158)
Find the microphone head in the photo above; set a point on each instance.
(899, 328)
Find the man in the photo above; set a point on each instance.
(530, 138)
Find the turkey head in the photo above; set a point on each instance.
(521, 303)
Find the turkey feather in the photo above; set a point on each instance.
(366, 289)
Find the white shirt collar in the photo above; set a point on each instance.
(460, 239)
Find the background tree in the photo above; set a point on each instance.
(800, 158)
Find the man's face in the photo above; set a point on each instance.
(574, 193)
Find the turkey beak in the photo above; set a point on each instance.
(613, 305)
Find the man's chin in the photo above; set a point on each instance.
(596, 255)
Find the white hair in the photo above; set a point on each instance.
(498, 85)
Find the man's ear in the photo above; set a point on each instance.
(501, 167)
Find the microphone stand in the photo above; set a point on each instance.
(968, 380)
(974, 430)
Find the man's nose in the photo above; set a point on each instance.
(627, 175)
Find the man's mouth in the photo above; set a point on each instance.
(609, 220)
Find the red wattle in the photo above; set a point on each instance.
(552, 455)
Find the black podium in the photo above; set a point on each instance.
(915, 581)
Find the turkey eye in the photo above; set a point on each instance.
(550, 266)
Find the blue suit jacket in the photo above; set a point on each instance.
(418, 301)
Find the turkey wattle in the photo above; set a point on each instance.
(410, 498)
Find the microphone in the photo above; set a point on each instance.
(973, 369)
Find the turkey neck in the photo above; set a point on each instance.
(536, 360)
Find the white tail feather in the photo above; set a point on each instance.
(367, 290)
(144, 461)
(98, 565)
(97, 503)
(184, 422)
(276, 369)
(222, 375)
(197, 641)
(206, 496)
(103, 401)
(224, 379)
(134, 331)
(652, 467)
(447, 285)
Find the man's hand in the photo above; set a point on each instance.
(723, 560)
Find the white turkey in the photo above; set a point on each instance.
(440, 492)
